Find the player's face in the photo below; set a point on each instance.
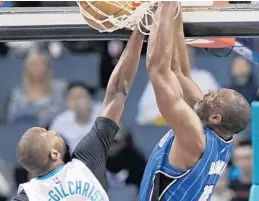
(58, 144)
(213, 102)
(204, 107)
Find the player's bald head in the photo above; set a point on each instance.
(38, 150)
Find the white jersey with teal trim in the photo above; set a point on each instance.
(73, 181)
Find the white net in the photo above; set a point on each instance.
(139, 15)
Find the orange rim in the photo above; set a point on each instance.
(213, 42)
(135, 4)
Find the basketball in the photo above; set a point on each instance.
(101, 10)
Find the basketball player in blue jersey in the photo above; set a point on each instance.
(188, 161)
(41, 152)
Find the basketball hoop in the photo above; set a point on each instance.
(66, 23)
(133, 13)
(110, 16)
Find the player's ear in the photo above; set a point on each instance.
(54, 154)
(215, 119)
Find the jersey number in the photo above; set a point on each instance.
(206, 193)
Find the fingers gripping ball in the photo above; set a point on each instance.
(102, 15)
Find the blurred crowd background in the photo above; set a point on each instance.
(60, 86)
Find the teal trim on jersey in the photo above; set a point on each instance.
(254, 193)
(50, 174)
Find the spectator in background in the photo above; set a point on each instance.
(125, 166)
(242, 159)
(40, 97)
(243, 79)
(222, 191)
(80, 115)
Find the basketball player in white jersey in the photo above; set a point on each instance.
(41, 152)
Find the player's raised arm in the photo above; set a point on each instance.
(181, 66)
(93, 148)
(186, 124)
(121, 78)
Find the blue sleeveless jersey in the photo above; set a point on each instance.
(163, 182)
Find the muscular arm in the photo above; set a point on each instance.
(181, 66)
(186, 124)
(122, 78)
(93, 148)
